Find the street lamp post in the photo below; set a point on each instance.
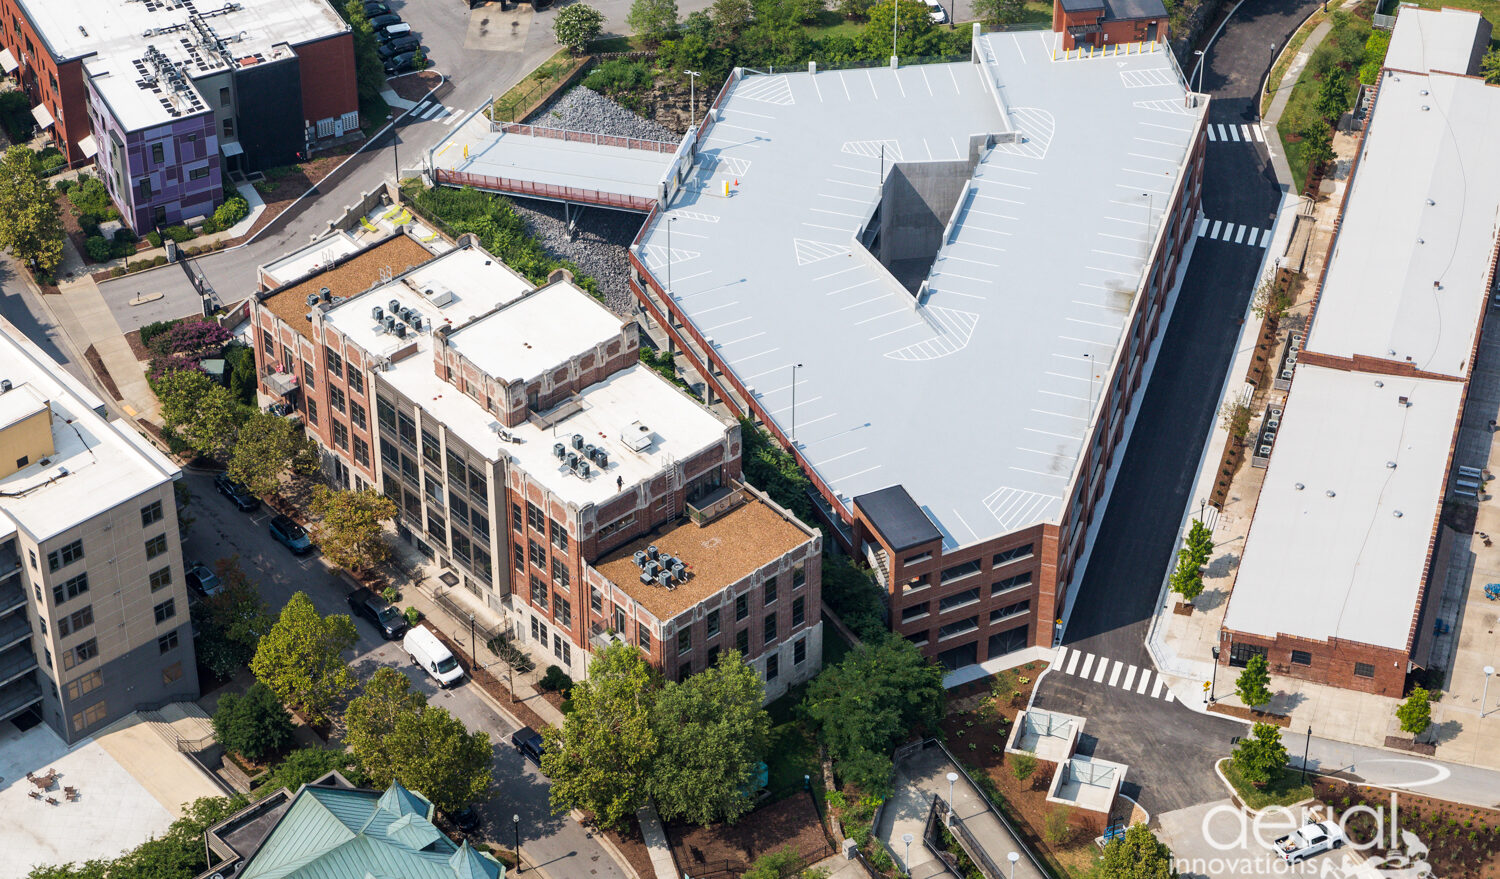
(1089, 359)
(952, 777)
(473, 656)
(515, 821)
(795, 367)
(692, 98)
(1484, 699)
(670, 221)
(1213, 681)
(1270, 67)
(1198, 69)
(1013, 857)
(906, 858)
(1306, 745)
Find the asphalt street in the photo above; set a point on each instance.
(556, 842)
(1170, 748)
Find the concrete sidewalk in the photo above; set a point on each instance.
(85, 316)
(921, 777)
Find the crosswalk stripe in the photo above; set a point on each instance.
(1088, 663)
(432, 110)
(1210, 130)
(1265, 238)
(1234, 133)
(1228, 231)
(1255, 130)
(1130, 676)
(1171, 697)
(1223, 135)
(1202, 226)
(1114, 676)
(1103, 670)
(1240, 238)
(421, 108)
(1215, 232)
(1156, 690)
(1073, 663)
(1145, 679)
(1062, 656)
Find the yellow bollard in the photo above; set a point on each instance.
(466, 151)
(726, 188)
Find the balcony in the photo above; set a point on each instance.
(12, 596)
(18, 696)
(13, 630)
(280, 384)
(16, 662)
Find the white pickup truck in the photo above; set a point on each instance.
(1312, 839)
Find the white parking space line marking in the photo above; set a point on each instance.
(1114, 676)
(1040, 472)
(836, 213)
(788, 407)
(1103, 670)
(1060, 415)
(845, 84)
(727, 324)
(816, 90)
(694, 275)
(808, 421)
(839, 272)
(974, 261)
(717, 307)
(850, 287)
(1067, 436)
(1129, 677)
(743, 127)
(751, 378)
(861, 170)
(879, 316)
(876, 298)
(1093, 323)
(1145, 680)
(927, 81)
(1121, 237)
(761, 354)
(860, 473)
(1022, 54)
(1088, 663)
(845, 455)
(871, 77)
(897, 330)
(829, 228)
(1097, 304)
(741, 339)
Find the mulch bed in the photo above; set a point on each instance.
(1402, 743)
(630, 845)
(415, 86)
(291, 187)
(493, 684)
(792, 821)
(1183, 609)
(1463, 841)
(1251, 715)
(96, 363)
(141, 352)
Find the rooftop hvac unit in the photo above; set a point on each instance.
(390, 322)
(572, 461)
(651, 551)
(559, 450)
(312, 299)
(416, 322)
(394, 306)
(679, 571)
(640, 558)
(326, 293)
(578, 441)
(378, 313)
(440, 296)
(588, 451)
(637, 436)
(583, 469)
(601, 458)
(400, 331)
(1265, 451)
(665, 580)
(652, 567)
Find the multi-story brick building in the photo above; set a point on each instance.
(93, 603)
(951, 345)
(1105, 23)
(1348, 541)
(173, 98)
(529, 450)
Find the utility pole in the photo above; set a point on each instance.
(692, 98)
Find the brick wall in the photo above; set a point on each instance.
(328, 77)
(1328, 662)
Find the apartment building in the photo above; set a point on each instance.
(940, 287)
(93, 605)
(1341, 576)
(173, 98)
(575, 495)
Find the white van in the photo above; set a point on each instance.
(427, 651)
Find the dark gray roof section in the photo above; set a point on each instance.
(1117, 10)
(1081, 5)
(898, 518)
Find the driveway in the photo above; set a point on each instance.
(559, 844)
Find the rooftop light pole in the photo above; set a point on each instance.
(952, 777)
(1150, 209)
(692, 98)
(1484, 699)
(795, 367)
(670, 221)
(895, 8)
(1013, 857)
(1198, 69)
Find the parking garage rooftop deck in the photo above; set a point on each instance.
(979, 399)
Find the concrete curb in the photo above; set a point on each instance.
(1209, 45)
(1235, 795)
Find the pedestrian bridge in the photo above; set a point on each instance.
(573, 167)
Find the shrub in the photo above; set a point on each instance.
(413, 616)
(159, 260)
(255, 725)
(65, 185)
(231, 212)
(97, 248)
(90, 197)
(179, 233)
(117, 271)
(556, 680)
(89, 223)
(154, 237)
(619, 77)
(152, 330)
(390, 595)
(118, 248)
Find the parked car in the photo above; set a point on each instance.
(374, 8)
(468, 820)
(203, 580)
(386, 619)
(1310, 840)
(397, 46)
(394, 32)
(238, 494)
(381, 22)
(427, 651)
(400, 63)
(529, 742)
(936, 12)
(290, 535)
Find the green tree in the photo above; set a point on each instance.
(306, 765)
(1136, 855)
(1187, 579)
(1253, 686)
(348, 526)
(577, 25)
(267, 448)
(652, 20)
(853, 595)
(601, 757)
(1333, 95)
(861, 708)
(231, 622)
(370, 722)
(1023, 765)
(711, 733)
(30, 224)
(917, 36)
(1260, 755)
(1000, 12)
(302, 658)
(1415, 713)
(1058, 826)
(776, 864)
(369, 72)
(854, 10)
(1489, 66)
(1200, 541)
(203, 414)
(179, 852)
(435, 753)
(731, 18)
(1317, 143)
(254, 725)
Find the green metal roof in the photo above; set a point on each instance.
(336, 833)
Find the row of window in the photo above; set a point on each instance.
(1239, 657)
(773, 661)
(974, 566)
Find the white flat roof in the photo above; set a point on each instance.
(980, 401)
(1433, 39)
(1431, 139)
(314, 257)
(537, 333)
(1350, 565)
(97, 464)
(549, 161)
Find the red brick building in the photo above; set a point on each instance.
(1103, 23)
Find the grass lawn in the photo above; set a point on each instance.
(1293, 46)
(511, 105)
(1283, 790)
(791, 754)
(376, 112)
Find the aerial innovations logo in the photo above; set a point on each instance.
(1371, 841)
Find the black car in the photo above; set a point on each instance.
(395, 47)
(389, 621)
(238, 494)
(374, 8)
(401, 62)
(381, 22)
(529, 742)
